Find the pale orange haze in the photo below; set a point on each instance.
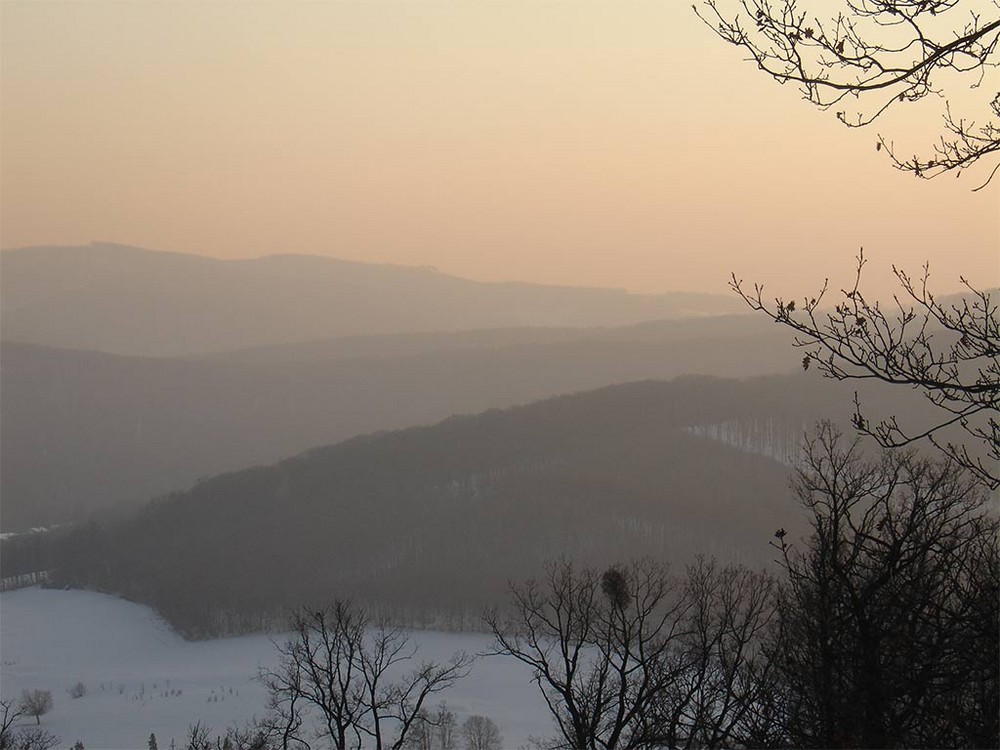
(597, 143)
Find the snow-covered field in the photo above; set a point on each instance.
(141, 677)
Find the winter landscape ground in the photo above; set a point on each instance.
(141, 677)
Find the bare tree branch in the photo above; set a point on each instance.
(950, 352)
(633, 658)
(338, 681)
(888, 52)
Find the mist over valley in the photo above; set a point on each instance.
(499, 376)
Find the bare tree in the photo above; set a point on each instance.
(199, 737)
(481, 733)
(24, 739)
(33, 738)
(36, 703)
(896, 50)
(633, 658)
(888, 632)
(950, 352)
(881, 51)
(253, 736)
(421, 734)
(444, 727)
(432, 731)
(10, 712)
(596, 656)
(716, 699)
(339, 680)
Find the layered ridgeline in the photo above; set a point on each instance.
(83, 430)
(127, 300)
(432, 522)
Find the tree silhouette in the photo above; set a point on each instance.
(36, 703)
(894, 51)
(635, 658)
(874, 54)
(338, 678)
(949, 351)
(481, 733)
(888, 619)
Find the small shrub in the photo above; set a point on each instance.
(77, 691)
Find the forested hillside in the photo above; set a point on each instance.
(432, 522)
(84, 430)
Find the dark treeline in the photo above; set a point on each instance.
(432, 522)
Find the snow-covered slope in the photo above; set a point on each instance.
(141, 677)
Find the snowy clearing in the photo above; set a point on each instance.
(141, 677)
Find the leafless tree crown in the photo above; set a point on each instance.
(481, 733)
(343, 679)
(635, 658)
(889, 614)
(885, 52)
(950, 352)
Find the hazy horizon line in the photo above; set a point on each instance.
(348, 261)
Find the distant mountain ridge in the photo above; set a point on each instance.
(127, 300)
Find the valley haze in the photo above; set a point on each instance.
(449, 375)
(224, 441)
(87, 430)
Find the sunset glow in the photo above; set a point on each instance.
(589, 143)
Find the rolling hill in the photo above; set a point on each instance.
(127, 300)
(431, 522)
(85, 430)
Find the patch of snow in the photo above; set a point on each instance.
(764, 437)
(142, 677)
(33, 530)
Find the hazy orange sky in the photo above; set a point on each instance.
(599, 143)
